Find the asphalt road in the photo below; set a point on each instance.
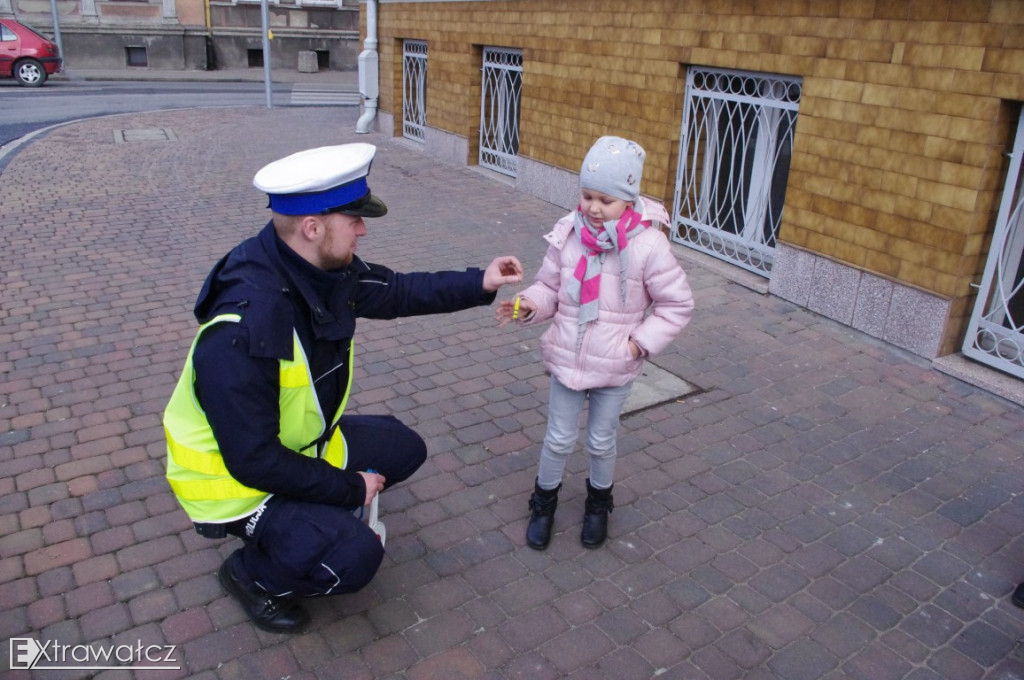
(26, 110)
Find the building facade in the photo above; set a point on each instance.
(860, 157)
(195, 34)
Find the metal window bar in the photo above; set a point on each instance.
(414, 89)
(995, 335)
(499, 109)
(734, 154)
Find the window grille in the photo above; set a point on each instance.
(995, 335)
(414, 89)
(499, 109)
(734, 154)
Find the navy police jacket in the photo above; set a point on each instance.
(276, 292)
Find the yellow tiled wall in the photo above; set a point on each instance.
(907, 107)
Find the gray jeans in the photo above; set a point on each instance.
(564, 409)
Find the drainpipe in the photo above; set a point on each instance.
(209, 37)
(369, 70)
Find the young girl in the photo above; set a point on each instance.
(616, 295)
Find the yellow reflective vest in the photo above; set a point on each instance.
(195, 468)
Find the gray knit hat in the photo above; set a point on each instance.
(614, 166)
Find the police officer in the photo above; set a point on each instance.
(258, 446)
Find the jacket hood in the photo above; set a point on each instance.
(246, 272)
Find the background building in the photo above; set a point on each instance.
(860, 157)
(196, 34)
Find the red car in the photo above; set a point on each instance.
(26, 54)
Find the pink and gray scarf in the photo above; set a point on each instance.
(585, 285)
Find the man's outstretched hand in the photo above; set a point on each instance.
(502, 271)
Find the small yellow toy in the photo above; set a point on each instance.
(515, 309)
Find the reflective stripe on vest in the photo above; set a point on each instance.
(195, 467)
(335, 451)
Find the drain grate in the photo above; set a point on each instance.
(145, 135)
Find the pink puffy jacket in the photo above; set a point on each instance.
(655, 282)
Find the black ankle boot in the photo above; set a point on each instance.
(595, 518)
(542, 516)
(268, 612)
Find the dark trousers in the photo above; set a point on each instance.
(306, 549)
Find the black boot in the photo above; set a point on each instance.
(595, 518)
(268, 612)
(542, 516)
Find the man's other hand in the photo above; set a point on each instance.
(502, 271)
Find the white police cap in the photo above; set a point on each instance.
(321, 180)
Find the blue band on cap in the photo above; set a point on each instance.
(315, 202)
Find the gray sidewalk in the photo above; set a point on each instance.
(820, 506)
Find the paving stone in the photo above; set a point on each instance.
(660, 649)
(577, 648)
(211, 651)
(154, 606)
(486, 544)
(744, 648)
(983, 644)
(655, 608)
(440, 596)
(621, 625)
(494, 574)
(779, 582)
(749, 599)
(524, 594)
(876, 662)
(188, 566)
(55, 556)
(624, 663)
(862, 573)
(446, 630)
(454, 663)
(183, 626)
(716, 664)
(129, 584)
(951, 664)
(941, 567)
(803, 660)
(44, 612)
(528, 666)
(843, 635)
(578, 607)
(531, 629)
(101, 622)
(265, 664)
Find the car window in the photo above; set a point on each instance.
(6, 34)
(34, 31)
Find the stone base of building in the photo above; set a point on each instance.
(901, 315)
(176, 49)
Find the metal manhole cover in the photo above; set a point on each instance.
(656, 386)
(145, 135)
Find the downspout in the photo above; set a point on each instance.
(369, 70)
(210, 65)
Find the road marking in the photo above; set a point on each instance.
(319, 95)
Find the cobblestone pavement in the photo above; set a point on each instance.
(824, 506)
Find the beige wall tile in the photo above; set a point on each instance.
(907, 106)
